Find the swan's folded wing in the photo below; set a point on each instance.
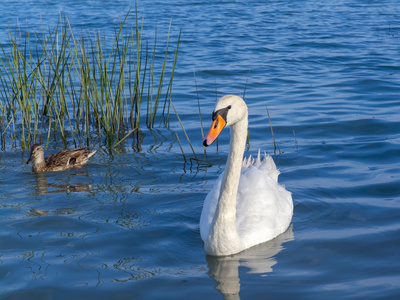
(264, 208)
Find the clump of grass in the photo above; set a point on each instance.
(87, 89)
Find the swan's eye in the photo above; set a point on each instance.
(229, 107)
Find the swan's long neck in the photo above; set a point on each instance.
(223, 238)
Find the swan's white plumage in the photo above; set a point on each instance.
(264, 208)
(246, 206)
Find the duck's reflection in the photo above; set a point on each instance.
(41, 183)
(43, 187)
(258, 259)
(63, 185)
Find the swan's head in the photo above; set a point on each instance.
(37, 153)
(228, 111)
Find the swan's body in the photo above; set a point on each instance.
(246, 206)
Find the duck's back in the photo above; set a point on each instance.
(66, 159)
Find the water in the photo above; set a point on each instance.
(126, 225)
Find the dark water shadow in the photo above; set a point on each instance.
(258, 260)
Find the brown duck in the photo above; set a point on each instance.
(60, 161)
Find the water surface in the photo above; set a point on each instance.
(125, 226)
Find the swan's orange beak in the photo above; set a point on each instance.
(216, 127)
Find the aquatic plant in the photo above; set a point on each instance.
(84, 90)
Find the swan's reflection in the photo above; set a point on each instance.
(259, 259)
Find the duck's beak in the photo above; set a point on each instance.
(31, 159)
(216, 127)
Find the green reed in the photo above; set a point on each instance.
(87, 89)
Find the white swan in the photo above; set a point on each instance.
(246, 206)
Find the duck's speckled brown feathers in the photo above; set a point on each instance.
(60, 161)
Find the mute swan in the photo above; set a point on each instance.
(246, 206)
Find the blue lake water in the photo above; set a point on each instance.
(125, 226)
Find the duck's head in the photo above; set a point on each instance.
(37, 153)
(229, 110)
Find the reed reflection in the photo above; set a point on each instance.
(258, 259)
